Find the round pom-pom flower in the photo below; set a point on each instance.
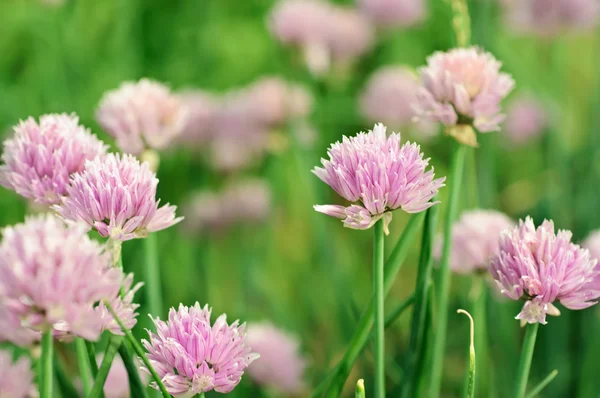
(16, 379)
(40, 157)
(394, 13)
(526, 118)
(540, 267)
(462, 88)
(281, 366)
(377, 175)
(52, 276)
(475, 238)
(191, 356)
(142, 115)
(115, 195)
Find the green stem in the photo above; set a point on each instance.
(63, 381)
(525, 361)
(484, 367)
(470, 392)
(378, 288)
(152, 273)
(139, 351)
(396, 312)
(83, 362)
(136, 387)
(91, 352)
(538, 389)
(47, 379)
(439, 343)
(338, 377)
(359, 392)
(109, 355)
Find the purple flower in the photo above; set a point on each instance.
(123, 306)
(475, 238)
(53, 276)
(39, 158)
(394, 13)
(540, 267)
(388, 97)
(116, 196)
(551, 17)
(16, 379)
(191, 356)
(463, 87)
(526, 118)
(142, 115)
(324, 32)
(281, 366)
(377, 175)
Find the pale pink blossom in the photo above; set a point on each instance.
(16, 379)
(526, 118)
(394, 13)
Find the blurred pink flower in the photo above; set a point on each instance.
(540, 267)
(463, 86)
(116, 195)
(248, 200)
(323, 31)
(204, 213)
(117, 381)
(199, 125)
(39, 158)
(551, 17)
(281, 366)
(388, 98)
(526, 118)
(592, 243)
(12, 331)
(142, 115)
(394, 13)
(475, 238)
(378, 175)
(53, 275)
(16, 379)
(192, 357)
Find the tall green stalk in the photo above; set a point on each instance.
(378, 291)
(109, 355)
(83, 361)
(47, 367)
(439, 343)
(152, 274)
(137, 389)
(525, 361)
(91, 352)
(470, 392)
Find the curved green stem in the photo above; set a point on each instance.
(109, 355)
(47, 367)
(525, 361)
(91, 352)
(152, 274)
(439, 344)
(547, 380)
(136, 387)
(379, 293)
(83, 362)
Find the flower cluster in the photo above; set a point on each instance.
(192, 357)
(377, 175)
(40, 157)
(541, 267)
(281, 366)
(463, 87)
(394, 13)
(142, 115)
(116, 195)
(16, 379)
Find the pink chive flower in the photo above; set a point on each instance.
(53, 276)
(199, 126)
(12, 331)
(526, 119)
(192, 357)
(388, 97)
(142, 115)
(281, 366)
(463, 86)
(475, 238)
(548, 18)
(394, 13)
(592, 243)
(39, 158)
(540, 266)
(377, 175)
(325, 33)
(248, 200)
(116, 197)
(16, 379)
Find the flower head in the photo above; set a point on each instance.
(199, 126)
(592, 243)
(281, 365)
(39, 158)
(142, 115)
(52, 276)
(191, 356)
(541, 267)
(475, 239)
(377, 175)
(16, 379)
(116, 196)
(394, 13)
(526, 118)
(463, 86)
(12, 331)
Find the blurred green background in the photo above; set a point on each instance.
(299, 269)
